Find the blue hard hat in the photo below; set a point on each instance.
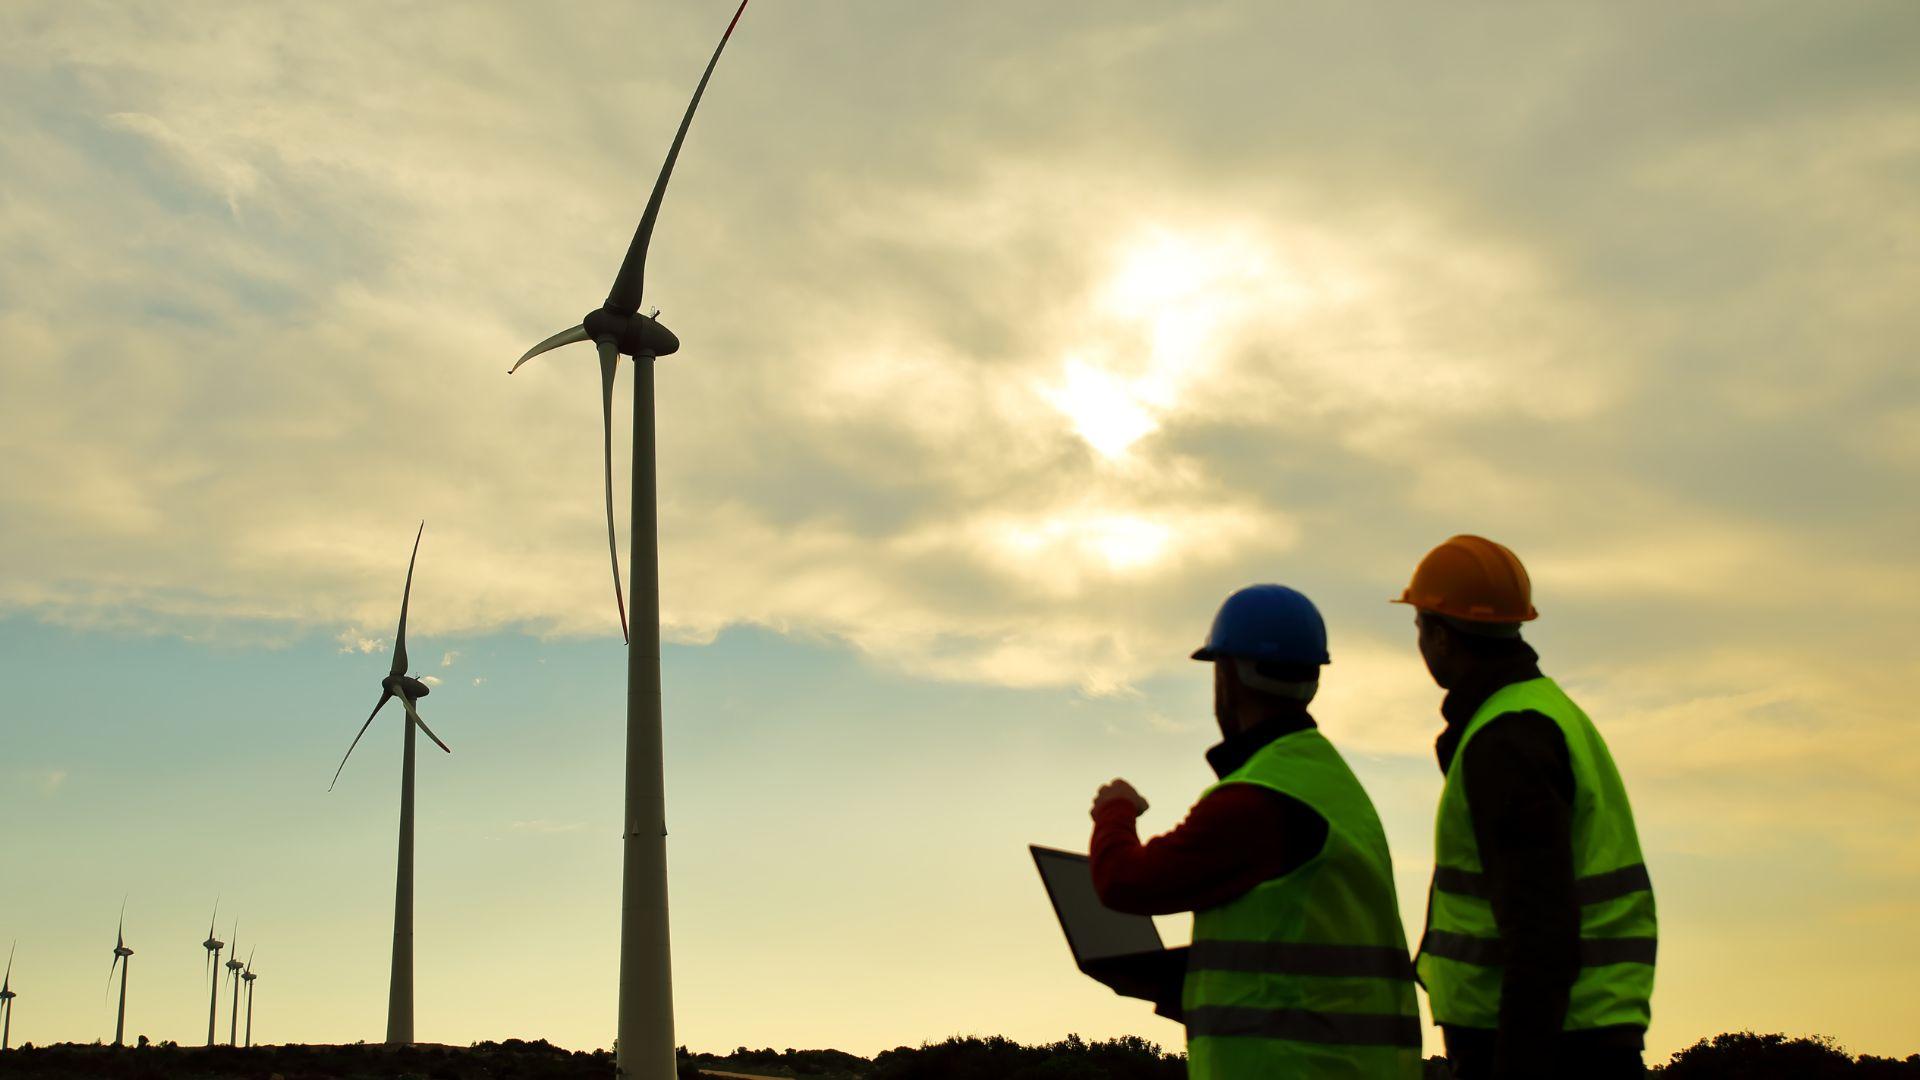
(1267, 622)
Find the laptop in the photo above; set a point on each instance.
(1118, 950)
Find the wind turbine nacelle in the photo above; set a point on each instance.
(636, 334)
(405, 684)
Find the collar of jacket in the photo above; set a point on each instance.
(1234, 751)
(1464, 700)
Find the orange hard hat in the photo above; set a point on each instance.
(1472, 578)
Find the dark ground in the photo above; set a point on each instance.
(1744, 1056)
(511, 1060)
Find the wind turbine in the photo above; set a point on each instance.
(249, 976)
(645, 1029)
(122, 959)
(399, 684)
(213, 945)
(233, 976)
(6, 1001)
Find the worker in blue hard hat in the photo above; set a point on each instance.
(1299, 966)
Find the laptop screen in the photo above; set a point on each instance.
(1094, 931)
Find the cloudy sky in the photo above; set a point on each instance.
(1016, 337)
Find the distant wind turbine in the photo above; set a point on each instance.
(213, 945)
(249, 976)
(645, 1030)
(398, 684)
(6, 1001)
(122, 959)
(233, 976)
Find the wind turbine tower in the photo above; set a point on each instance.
(213, 945)
(646, 1044)
(233, 976)
(6, 1001)
(122, 959)
(249, 976)
(399, 684)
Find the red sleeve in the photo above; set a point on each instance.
(1231, 841)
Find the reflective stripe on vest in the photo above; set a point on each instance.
(1462, 955)
(1302, 1025)
(1306, 974)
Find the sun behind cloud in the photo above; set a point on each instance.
(1170, 302)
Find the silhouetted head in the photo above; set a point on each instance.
(1455, 649)
(1470, 596)
(1267, 644)
(1247, 693)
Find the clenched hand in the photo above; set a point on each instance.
(1119, 789)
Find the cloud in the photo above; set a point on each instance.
(430, 680)
(203, 159)
(51, 780)
(543, 827)
(352, 640)
(1074, 353)
(447, 659)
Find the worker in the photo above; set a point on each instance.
(1539, 946)
(1299, 965)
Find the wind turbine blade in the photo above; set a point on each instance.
(610, 359)
(400, 638)
(385, 696)
(111, 968)
(628, 284)
(564, 337)
(415, 717)
(120, 935)
(250, 953)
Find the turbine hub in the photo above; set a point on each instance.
(636, 334)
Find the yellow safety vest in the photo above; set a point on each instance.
(1461, 957)
(1306, 975)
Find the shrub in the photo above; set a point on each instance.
(1760, 1057)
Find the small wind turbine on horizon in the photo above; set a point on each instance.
(123, 960)
(645, 1027)
(249, 976)
(233, 976)
(6, 1001)
(213, 945)
(399, 684)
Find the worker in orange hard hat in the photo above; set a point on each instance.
(1539, 947)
